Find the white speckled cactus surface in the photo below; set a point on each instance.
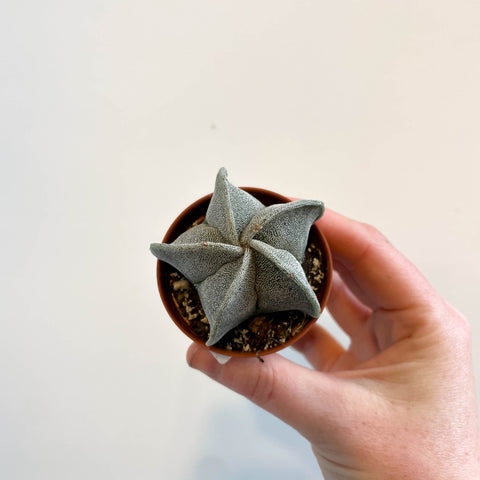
(245, 258)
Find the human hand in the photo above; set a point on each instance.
(399, 403)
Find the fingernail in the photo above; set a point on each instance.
(191, 352)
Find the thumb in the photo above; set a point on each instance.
(303, 398)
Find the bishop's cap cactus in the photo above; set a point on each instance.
(245, 258)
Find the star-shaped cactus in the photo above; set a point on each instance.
(245, 258)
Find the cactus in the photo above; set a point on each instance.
(245, 258)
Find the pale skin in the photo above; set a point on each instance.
(400, 402)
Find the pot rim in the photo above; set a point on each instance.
(179, 225)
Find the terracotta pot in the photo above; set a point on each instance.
(197, 210)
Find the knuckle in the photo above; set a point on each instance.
(463, 326)
(262, 387)
(373, 233)
(457, 327)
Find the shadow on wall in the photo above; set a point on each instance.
(244, 441)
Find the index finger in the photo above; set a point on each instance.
(375, 269)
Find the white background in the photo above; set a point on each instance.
(115, 115)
